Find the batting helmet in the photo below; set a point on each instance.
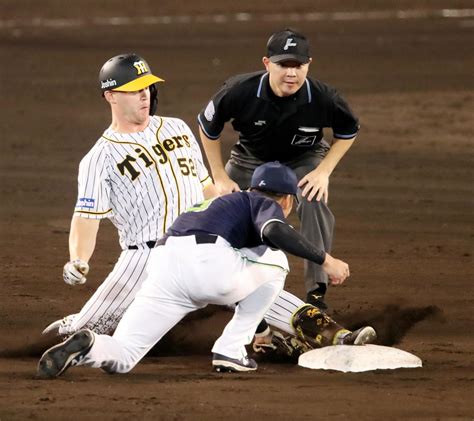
(126, 73)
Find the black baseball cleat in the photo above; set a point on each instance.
(57, 359)
(315, 297)
(223, 364)
(316, 300)
(362, 336)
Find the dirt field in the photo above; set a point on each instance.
(402, 199)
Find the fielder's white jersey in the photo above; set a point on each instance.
(142, 181)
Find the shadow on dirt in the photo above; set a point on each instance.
(393, 322)
(194, 335)
(198, 331)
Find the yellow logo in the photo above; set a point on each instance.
(313, 311)
(141, 67)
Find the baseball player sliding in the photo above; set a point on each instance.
(221, 249)
(141, 174)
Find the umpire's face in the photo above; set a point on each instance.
(286, 77)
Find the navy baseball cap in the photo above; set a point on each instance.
(274, 177)
(288, 45)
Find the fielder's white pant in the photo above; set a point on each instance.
(103, 311)
(183, 277)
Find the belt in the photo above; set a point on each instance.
(150, 245)
(199, 238)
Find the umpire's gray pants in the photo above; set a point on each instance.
(317, 220)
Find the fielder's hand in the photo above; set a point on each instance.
(74, 272)
(337, 270)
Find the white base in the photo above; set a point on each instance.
(352, 358)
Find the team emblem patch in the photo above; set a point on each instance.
(289, 43)
(141, 67)
(299, 140)
(85, 202)
(209, 111)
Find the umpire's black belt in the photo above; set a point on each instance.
(200, 239)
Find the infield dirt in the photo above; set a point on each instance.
(402, 197)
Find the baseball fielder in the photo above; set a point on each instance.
(217, 253)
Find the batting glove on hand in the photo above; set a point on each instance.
(74, 272)
(281, 348)
(263, 341)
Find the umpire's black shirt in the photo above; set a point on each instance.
(275, 128)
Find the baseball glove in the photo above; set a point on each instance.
(281, 349)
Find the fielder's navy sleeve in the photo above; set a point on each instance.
(263, 211)
(284, 237)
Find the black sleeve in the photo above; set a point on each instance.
(284, 237)
(345, 124)
(218, 111)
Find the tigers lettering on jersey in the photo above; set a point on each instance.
(169, 145)
(142, 181)
(187, 165)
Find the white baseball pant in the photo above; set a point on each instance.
(183, 277)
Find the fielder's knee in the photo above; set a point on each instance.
(123, 360)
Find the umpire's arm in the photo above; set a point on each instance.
(213, 150)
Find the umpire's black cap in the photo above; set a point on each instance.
(288, 45)
(126, 73)
(275, 177)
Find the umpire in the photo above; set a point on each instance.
(280, 115)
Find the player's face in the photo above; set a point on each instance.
(287, 204)
(286, 77)
(132, 107)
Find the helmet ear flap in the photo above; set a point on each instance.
(153, 98)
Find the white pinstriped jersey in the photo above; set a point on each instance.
(142, 181)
